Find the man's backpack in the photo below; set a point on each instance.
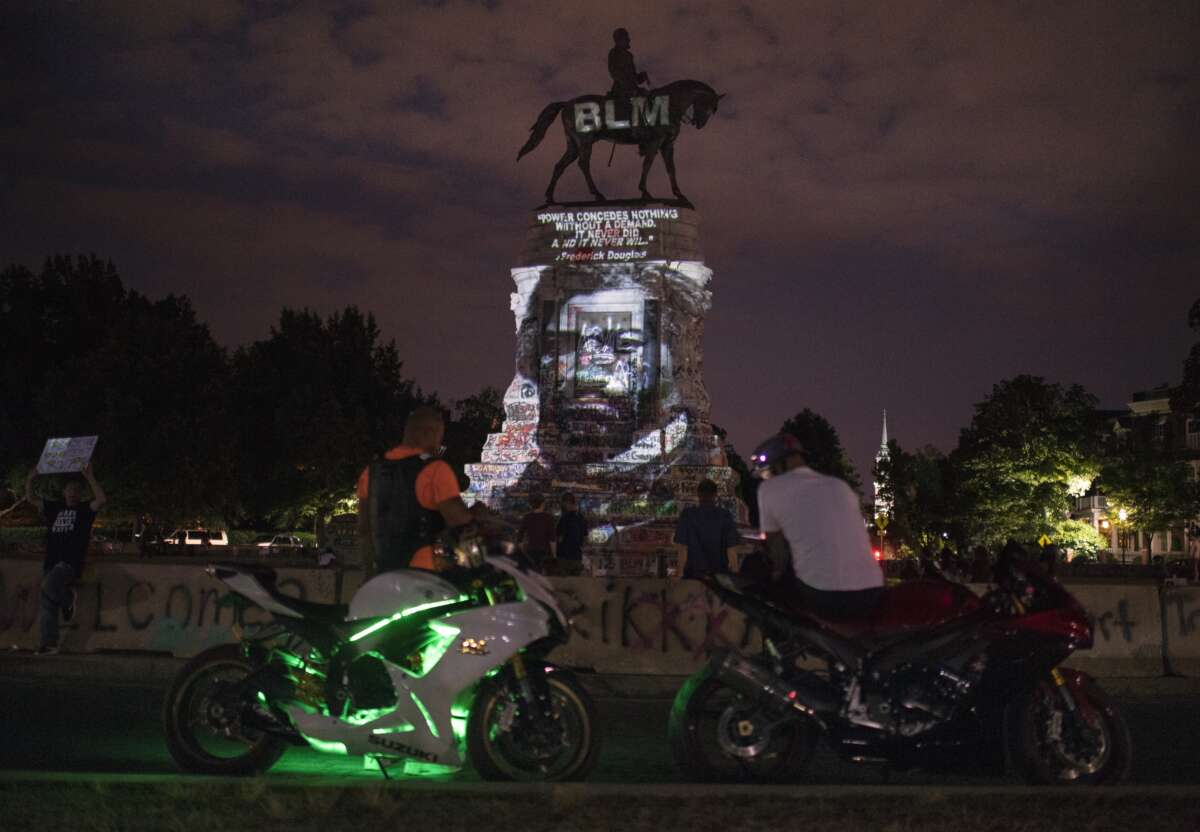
(399, 525)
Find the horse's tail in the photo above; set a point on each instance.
(538, 131)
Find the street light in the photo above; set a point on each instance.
(1122, 518)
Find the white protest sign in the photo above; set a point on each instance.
(66, 454)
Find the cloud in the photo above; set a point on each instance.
(1011, 158)
(210, 146)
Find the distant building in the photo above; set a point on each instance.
(1180, 433)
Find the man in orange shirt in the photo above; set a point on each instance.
(416, 497)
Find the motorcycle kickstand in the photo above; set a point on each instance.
(382, 768)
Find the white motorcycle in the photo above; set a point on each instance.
(423, 671)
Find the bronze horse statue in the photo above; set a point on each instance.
(651, 122)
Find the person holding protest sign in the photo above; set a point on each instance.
(69, 524)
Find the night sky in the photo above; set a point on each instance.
(902, 203)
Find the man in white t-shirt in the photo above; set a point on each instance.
(814, 522)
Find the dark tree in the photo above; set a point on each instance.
(472, 419)
(316, 401)
(920, 487)
(84, 356)
(822, 447)
(1186, 398)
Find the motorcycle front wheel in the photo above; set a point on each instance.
(717, 735)
(1055, 745)
(204, 730)
(505, 741)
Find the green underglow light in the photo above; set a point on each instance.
(459, 714)
(415, 768)
(295, 661)
(432, 652)
(327, 747)
(402, 728)
(425, 713)
(262, 697)
(405, 614)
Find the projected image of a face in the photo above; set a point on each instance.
(606, 353)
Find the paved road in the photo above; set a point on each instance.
(104, 726)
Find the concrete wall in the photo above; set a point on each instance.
(621, 625)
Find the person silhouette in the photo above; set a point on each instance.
(627, 80)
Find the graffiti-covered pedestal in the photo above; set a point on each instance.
(608, 401)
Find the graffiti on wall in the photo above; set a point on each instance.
(1183, 613)
(1111, 625)
(170, 609)
(652, 618)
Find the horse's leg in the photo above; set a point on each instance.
(668, 154)
(649, 151)
(585, 164)
(569, 156)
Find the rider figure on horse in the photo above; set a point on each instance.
(626, 78)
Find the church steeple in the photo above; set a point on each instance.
(883, 505)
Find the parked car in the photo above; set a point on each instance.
(197, 537)
(282, 541)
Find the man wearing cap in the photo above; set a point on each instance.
(812, 522)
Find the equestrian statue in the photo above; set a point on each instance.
(629, 114)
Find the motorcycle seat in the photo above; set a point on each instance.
(906, 607)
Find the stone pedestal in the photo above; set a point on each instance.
(608, 401)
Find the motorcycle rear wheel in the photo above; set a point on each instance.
(505, 744)
(717, 735)
(1053, 746)
(202, 735)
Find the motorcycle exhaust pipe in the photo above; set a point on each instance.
(808, 694)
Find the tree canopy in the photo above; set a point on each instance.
(822, 447)
(1145, 476)
(314, 402)
(83, 355)
(1029, 449)
(920, 488)
(272, 434)
(471, 420)
(1187, 395)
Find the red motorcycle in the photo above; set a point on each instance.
(936, 678)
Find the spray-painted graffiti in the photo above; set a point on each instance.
(175, 609)
(514, 436)
(648, 626)
(652, 535)
(1183, 612)
(521, 412)
(619, 625)
(1181, 606)
(1110, 625)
